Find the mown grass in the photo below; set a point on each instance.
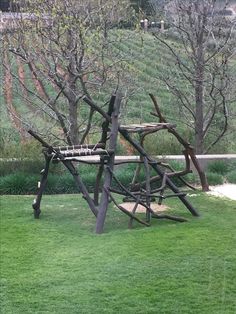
(58, 265)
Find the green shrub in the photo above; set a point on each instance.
(89, 180)
(22, 183)
(124, 174)
(65, 184)
(18, 183)
(192, 178)
(218, 166)
(24, 166)
(176, 165)
(214, 178)
(29, 167)
(232, 166)
(86, 169)
(231, 176)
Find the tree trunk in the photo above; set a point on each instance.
(73, 128)
(199, 119)
(199, 102)
(110, 165)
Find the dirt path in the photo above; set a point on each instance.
(23, 84)
(37, 83)
(141, 209)
(128, 148)
(21, 75)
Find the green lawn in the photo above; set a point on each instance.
(58, 265)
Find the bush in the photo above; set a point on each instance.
(24, 183)
(218, 166)
(231, 176)
(21, 183)
(64, 184)
(176, 165)
(125, 174)
(232, 166)
(18, 183)
(192, 178)
(28, 166)
(214, 178)
(24, 166)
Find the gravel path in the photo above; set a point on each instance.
(225, 190)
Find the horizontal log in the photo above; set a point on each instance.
(145, 127)
(68, 154)
(164, 216)
(84, 146)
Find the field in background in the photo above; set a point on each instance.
(144, 58)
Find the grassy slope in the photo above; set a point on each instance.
(143, 75)
(4, 118)
(147, 57)
(57, 265)
(144, 58)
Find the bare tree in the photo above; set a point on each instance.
(201, 70)
(67, 48)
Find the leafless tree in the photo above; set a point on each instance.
(67, 48)
(202, 69)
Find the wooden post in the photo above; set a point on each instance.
(148, 188)
(187, 146)
(103, 140)
(171, 185)
(102, 209)
(41, 185)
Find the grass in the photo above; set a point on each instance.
(58, 265)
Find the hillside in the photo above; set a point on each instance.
(143, 59)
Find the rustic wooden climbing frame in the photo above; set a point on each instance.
(140, 193)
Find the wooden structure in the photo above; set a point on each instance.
(139, 192)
